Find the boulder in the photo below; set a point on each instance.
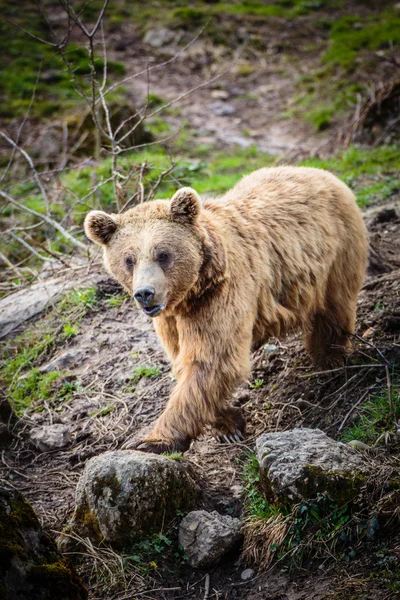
(126, 495)
(296, 465)
(207, 537)
(51, 437)
(30, 565)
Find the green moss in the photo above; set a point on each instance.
(86, 523)
(21, 357)
(323, 520)
(19, 515)
(343, 486)
(58, 578)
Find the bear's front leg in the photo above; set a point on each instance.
(198, 399)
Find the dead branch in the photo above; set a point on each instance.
(46, 218)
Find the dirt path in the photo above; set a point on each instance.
(245, 105)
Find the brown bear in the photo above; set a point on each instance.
(286, 248)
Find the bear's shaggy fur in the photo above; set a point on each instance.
(286, 248)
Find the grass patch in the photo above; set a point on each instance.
(374, 419)
(145, 371)
(22, 356)
(115, 301)
(372, 173)
(31, 390)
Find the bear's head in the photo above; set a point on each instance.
(159, 251)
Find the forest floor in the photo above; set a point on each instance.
(111, 377)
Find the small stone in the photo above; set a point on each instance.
(159, 37)
(357, 445)
(207, 537)
(51, 437)
(270, 348)
(247, 574)
(67, 359)
(220, 94)
(222, 109)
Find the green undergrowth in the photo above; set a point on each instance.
(355, 46)
(374, 419)
(28, 388)
(373, 173)
(352, 34)
(145, 371)
(30, 66)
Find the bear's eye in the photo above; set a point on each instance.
(162, 257)
(129, 262)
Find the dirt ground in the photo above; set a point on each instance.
(112, 407)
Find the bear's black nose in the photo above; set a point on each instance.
(144, 295)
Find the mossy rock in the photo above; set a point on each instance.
(123, 496)
(298, 465)
(31, 567)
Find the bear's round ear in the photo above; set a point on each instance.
(185, 205)
(100, 227)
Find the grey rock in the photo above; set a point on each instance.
(159, 37)
(64, 361)
(222, 109)
(207, 537)
(300, 463)
(51, 437)
(247, 574)
(31, 566)
(125, 495)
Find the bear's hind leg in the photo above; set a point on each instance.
(328, 341)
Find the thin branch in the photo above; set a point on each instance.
(33, 36)
(20, 128)
(32, 166)
(46, 218)
(28, 247)
(353, 408)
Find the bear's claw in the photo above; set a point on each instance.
(230, 438)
